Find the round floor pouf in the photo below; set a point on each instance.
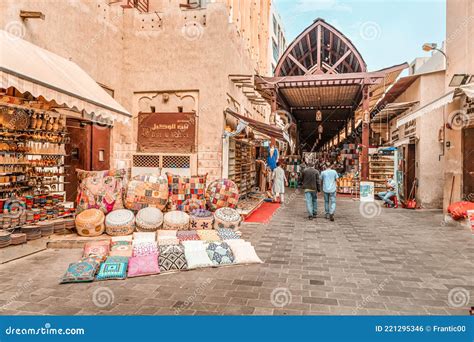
(201, 219)
(149, 219)
(90, 222)
(226, 218)
(222, 193)
(120, 222)
(176, 220)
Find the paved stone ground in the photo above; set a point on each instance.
(399, 262)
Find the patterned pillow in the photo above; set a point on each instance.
(167, 242)
(196, 254)
(147, 190)
(143, 265)
(220, 253)
(117, 258)
(222, 193)
(244, 252)
(99, 249)
(119, 249)
(227, 234)
(187, 235)
(112, 270)
(186, 188)
(79, 272)
(102, 190)
(208, 235)
(144, 249)
(172, 258)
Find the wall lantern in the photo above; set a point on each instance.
(319, 116)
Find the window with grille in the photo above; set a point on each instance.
(177, 162)
(146, 160)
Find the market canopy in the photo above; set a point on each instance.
(29, 68)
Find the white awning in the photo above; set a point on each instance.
(468, 89)
(442, 101)
(29, 68)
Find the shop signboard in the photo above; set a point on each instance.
(166, 132)
(367, 191)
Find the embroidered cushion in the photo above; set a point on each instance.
(226, 218)
(102, 190)
(147, 191)
(244, 252)
(112, 270)
(120, 222)
(143, 237)
(186, 188)
(187, 235)
(208, 235)
(143, 265)
(220, 253)
(192, 204)
(149, 219)
(117, 258)
(98, 249)
(172, 258)
(196, 255)
(81, 271)
(145, 248)
(90, 223)
(222, 193)
(176, 220)
(122, 248)
(227, 234)
(201, 219)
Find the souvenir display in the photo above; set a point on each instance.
(172, 258)
(220, 253)
(143, 265)
(120, 222)
(90, 222)
(222, 193)
(149, 219)
(201, 219)
(176, 220)
(80, 272)
(147, 191)
(208, 235)
(113, 270)
(226, 218)
(182, 189)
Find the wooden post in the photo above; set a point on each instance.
(274, 107)
(364, 158)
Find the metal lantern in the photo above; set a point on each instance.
(319, 116)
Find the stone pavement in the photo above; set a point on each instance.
(371, 260)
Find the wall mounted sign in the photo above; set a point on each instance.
(166, 132)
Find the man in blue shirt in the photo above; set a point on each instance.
(328, 178)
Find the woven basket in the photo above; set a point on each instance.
(226, 218)
(90, 222)
(120, 222)
(149, 219)
(176, 220)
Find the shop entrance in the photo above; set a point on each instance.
(89, 149)
(468, 163)
(407, 168)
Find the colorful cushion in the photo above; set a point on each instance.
(147, 191)
(176, 220)
(79, 272)
(145, 248)
(123, 248)
(201, 219)
(112, 270)
(117, 258)
(227, 234)
(149, 219)
(90, 223)
(226, 218)
(220, 253)
(143, 237)
(143, 265)
(102, 190)
(192, 204)
(208, 235)
(172, 258)
(186, 188)
(99, 249)
(222, 193)
(196, 254)
(120, 222)
(244, 252)
(187, 235)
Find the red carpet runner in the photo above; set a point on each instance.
(264, 213)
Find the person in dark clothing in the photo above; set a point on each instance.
(311, 186)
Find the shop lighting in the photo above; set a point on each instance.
(319, 116)
(433, 46)
(459, 80)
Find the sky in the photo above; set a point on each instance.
(386, 32)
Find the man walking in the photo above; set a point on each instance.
(311, 188)
(329, 177)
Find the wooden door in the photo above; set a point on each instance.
(100, 148)
(78, 153)
(410, 172)
(468, 164)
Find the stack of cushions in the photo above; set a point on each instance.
(220, 253)
(90, 223)
(208, 235)
(147, 190)
(149, 219)
(244, 252)
(186, 193)
(115, 267)
(196, 254)
(120, 222)
(167, 237)
(226, 218)
(121, 247)
(176, 220)
(227, 234)
(172, 258)
(96, 249)
(201, 219)
(222, 193)
(102, 190)
(187, 235)
(81, 271)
